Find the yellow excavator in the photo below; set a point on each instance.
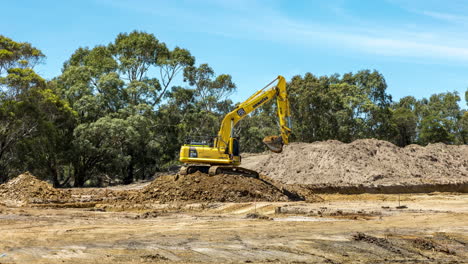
(222, 154)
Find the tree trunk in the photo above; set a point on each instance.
(80, 177)
(129, 178)
(2, 179)
(55, 180)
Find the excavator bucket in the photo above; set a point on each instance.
(274, 143)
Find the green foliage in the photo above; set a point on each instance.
(27, 109)
(211, 91)
(17, 55)
(34, 133)
(16, 62)
(111, 87)
(136, 52)
(354, 106)
(466, 96)
(442, 114)
(103, 146)
(119, 112)
(20, 81)
(464, 127)
(433, 131)
(47, 150)
(405, 121)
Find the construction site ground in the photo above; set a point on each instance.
(365, 228)
(325, 202)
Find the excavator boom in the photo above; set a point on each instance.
(254, 102)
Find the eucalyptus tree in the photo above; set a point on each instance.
(123, 82)
(33, 119)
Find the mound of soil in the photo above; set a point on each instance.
(367, 162)
(28, 189)
(219, 188)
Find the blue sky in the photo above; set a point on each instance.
(420, 46)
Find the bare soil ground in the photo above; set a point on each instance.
(367, 228)
(292, 214)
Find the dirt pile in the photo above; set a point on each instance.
(219, 188)
(198, 187)
(367, 162)
(28, 189)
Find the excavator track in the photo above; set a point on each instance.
(232, 170)
(218, 169)
(189, 169)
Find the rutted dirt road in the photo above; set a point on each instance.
(368, 228)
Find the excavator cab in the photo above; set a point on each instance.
(235, 146)
(200, 141)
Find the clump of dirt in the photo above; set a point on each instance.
(257, 216)
(380, 242)
(367, 162)
(151, 214)
(27, 189)
(427, 244)
(153, 257)
(219, 188)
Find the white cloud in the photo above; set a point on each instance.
(259, 21)
(453, 18)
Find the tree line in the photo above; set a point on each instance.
(120, 112)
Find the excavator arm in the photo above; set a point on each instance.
(225, 138)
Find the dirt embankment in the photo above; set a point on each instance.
(26, 189)
(368, 163)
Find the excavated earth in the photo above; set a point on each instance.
(197, 187)
(27, 189)
(367, 165)
(219, 188)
